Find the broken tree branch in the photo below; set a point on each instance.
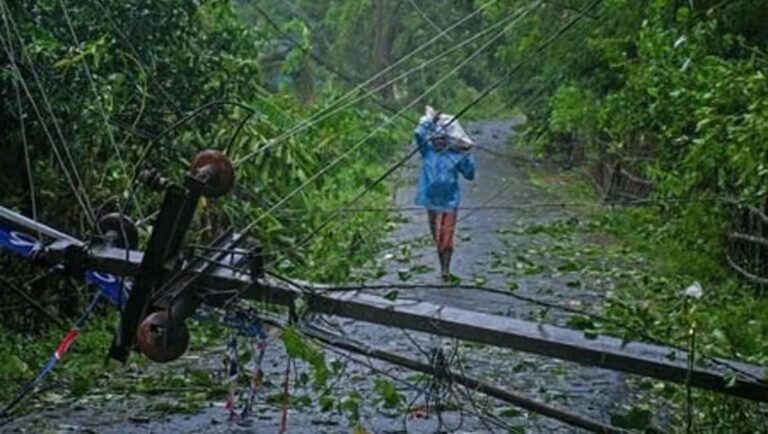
(744, 273)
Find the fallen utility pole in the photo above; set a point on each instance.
(649, 360)
(656, 361)
(472, 383)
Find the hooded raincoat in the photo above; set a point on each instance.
(438, 188)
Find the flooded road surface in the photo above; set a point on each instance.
(513, 242)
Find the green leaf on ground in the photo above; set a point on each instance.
(635, 418)
(512, 285)
(421, 269)
(452, 279)
(404, 274)
(509, 412)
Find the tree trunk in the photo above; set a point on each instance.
(386, 25)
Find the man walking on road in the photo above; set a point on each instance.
(445, 153)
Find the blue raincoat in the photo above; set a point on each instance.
(439, 181)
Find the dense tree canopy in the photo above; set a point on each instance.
(678, 81)
(95, 91)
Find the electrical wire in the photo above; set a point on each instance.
(540, 48)
(167, 97)
(340, 104)
(27, 162)
(523, 205)
(74, 180)
(348, 152)
(100, 105)
(424, 16)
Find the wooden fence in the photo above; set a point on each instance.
(615, 183)
(747, 244)
(746, 249)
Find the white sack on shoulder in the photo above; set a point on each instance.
(454, 130)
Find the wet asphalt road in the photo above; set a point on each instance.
(502, 184)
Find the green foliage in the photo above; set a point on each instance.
(646, 257)
(150, 67)
(683, 84)
(350, 405)
(573, 112)
(730, 317)
(677, 89)
(364, 38)
(22, 356)
(388, 395)
(299, 348)
(635, 419)
(680, 85)
(149, 77)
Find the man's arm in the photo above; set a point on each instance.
(421, 134)
(467, 166)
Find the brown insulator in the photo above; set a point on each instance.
(215, 170)
(119, 229)
(161, 339)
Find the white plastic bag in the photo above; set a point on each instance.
(457, 137)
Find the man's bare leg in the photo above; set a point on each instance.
(432, 218)
(446, 262)
(446, 242)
